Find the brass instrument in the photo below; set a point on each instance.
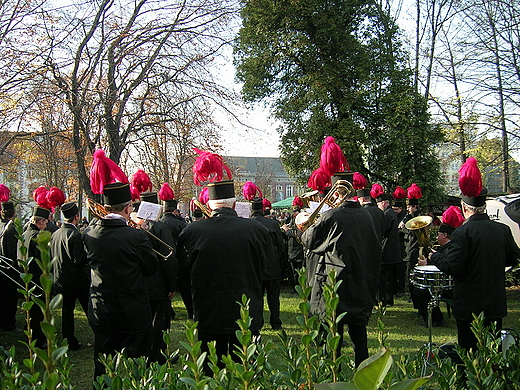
(335, 197)
(308, 197)
(100, 212)
(205, 210)
(4, 264)
(420, 226)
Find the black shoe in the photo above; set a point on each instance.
(75, 347)
(277, 327)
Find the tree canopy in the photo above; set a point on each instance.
(336, 68)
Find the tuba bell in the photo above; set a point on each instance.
(420, 226)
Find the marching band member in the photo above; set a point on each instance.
(478, 254)
(224, 256)
(346, 239)
(161, 284)
(391, 257)
(120, 257)
(8, 245)
(71, 278)
(37, 222)
(272, 271)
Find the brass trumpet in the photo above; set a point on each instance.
(335, 197)
(420, 226)
(99, 212)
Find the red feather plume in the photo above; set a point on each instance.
(318, 180)
(104, 171)
(297, 201)
(266, 203)
(38, 191)
(5, 193)
(166, 192)
(209, 167)
(359, 181)
(376, 190)
(414, 192)
(141, 181)
(399, 193)
(470, 178)
(204, 195)
(332, 159)
(453, 217)
(55, 197)
(134, 193)
(42, 201)
(250, 190)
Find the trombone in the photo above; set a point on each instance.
(205, 210)
(99, 212)
(4, 265)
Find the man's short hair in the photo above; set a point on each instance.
(71, 219)
(475, 209)
(219, 203)
(117, 208)
(34, 219)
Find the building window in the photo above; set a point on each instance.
(288, 190)
(279, 187)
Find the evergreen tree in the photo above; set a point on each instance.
(336, 68)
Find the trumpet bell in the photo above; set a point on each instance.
(418, 222)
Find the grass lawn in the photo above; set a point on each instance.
(401, 324)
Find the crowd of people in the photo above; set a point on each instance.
(124, 271)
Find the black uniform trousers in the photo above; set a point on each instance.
(467, 338)
(67, 314)
(272, 289)
(135, 343)
(160, 322)
(359, 338)
(8, 302)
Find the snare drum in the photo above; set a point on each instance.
(429, 277)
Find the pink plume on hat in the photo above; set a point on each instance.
(193, 206)
(332, 159)
(5, 193)
(399, 193)
(297, 201)
(266, 203)
(414, 192)
(376, 190)
(55, 197)
(470, 178)
(453, 217)
(250, 190)
(42, 201)
(209, 167)
(166, 192)
(204, 195)
(141, 181)
(104, 171)
(318, 180)
(38, 191)
(134, 193)
(359, 181)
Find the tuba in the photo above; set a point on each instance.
(420, 226)
(99, 212)
(336, 196)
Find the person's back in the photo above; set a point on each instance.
(119, 257)
(479, 251)
(225, 256)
